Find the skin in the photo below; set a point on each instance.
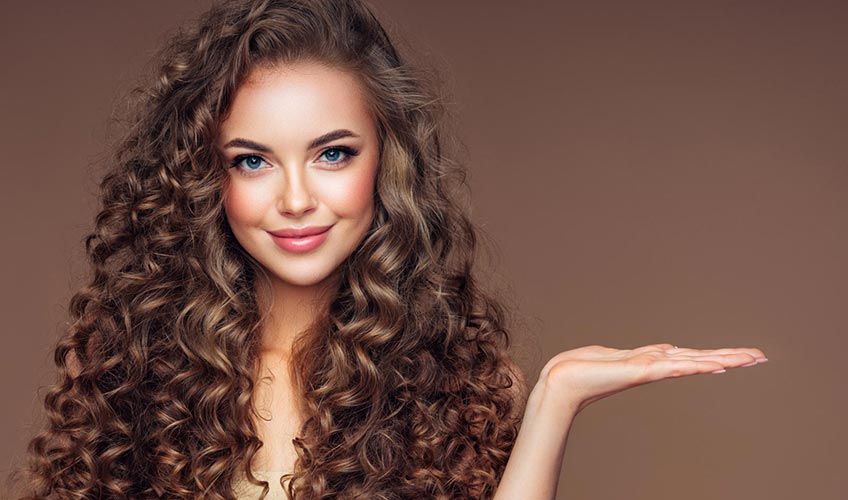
(293, 186)
(572, 380)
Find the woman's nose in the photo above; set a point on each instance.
(296, 197)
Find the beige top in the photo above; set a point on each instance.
(245, 490)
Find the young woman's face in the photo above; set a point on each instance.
(303, 150)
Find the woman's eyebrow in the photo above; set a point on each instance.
(239, 142)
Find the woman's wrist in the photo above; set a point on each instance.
(552, 399)
(533, 470)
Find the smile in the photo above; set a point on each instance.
(301, 244)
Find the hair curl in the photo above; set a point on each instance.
(407, 386)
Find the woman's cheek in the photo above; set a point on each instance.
(353, 196)
(244, 204)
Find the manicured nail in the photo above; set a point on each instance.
(719, 371)
(763, 360)
(752, 363)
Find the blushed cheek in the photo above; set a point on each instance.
(354, 197)
(242, 206)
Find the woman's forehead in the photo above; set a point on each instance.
(298, 101)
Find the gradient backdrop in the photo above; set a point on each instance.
(655, 171)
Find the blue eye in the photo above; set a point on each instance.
(335, 157)
(249, 161)
(332, 154)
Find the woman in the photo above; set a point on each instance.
(283, 299)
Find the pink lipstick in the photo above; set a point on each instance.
(301, 239)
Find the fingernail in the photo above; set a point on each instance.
(719, 371)
(763, 360)
(752, 363)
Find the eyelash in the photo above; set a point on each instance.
(349, 154)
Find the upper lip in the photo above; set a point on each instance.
(299, 232)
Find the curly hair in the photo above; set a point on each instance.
(407, 386)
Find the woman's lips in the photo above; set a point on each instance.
(300, 232)
(300, 244)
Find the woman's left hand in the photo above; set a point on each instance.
(576, 378)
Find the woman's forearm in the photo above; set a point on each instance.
(532, 472)
(573, 379)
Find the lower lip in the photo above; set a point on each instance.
(303, 244)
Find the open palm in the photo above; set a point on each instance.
(584, 375)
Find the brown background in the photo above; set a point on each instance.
(648, 171)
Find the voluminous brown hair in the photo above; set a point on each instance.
(407, 386)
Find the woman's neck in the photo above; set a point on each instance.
(291, 311)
